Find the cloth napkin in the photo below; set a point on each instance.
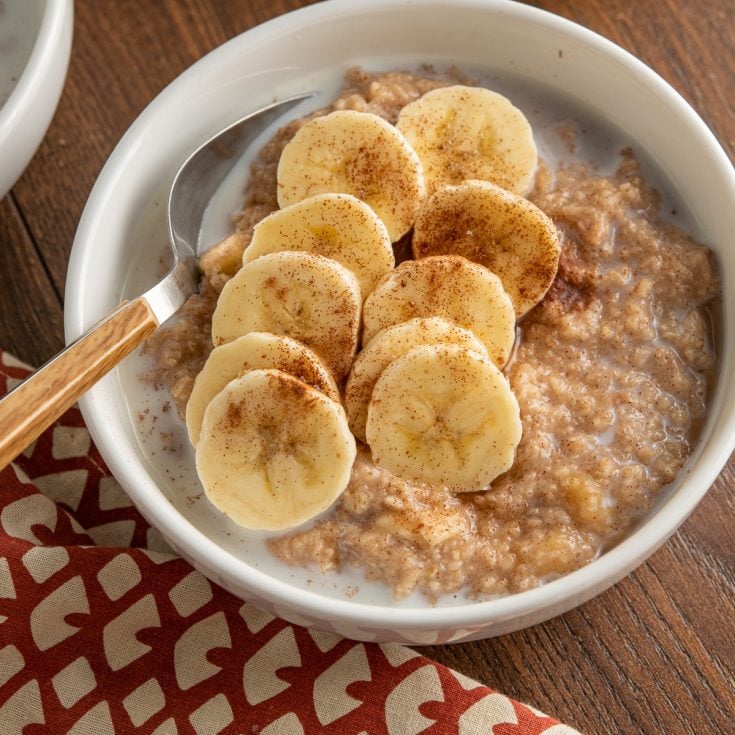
(104, 630)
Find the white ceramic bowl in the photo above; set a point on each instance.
(37, 43)
(123, 224)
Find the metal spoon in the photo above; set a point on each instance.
(40, 399)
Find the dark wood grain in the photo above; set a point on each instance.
(656, 654)
(30, 307)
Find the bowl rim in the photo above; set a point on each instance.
(578, 585)
(41, 59)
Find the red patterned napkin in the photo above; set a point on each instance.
(103, 630)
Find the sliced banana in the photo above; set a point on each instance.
(354, 153)
(449, 286)
(444, 415)
(470, 133)
(273, 451)
(493, 227)
(426, 526)
(386, 346)
(250, 352)
(337, 226)
(224, 257)
(301, 295)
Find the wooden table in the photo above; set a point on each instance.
(656, 654)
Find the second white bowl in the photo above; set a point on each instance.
(45, 26)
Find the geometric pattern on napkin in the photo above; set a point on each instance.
(103, 630)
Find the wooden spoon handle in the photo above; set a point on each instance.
(39, 400)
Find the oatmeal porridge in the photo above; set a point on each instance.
(611, 373)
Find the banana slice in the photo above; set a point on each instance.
(337, 226)
(224, 257)
(449, 286)
(250, 352)
(354, 153)
(308, 297)
(493, 227)
(444, 415)
(470, 133)
(273, 452)
(389, 344)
